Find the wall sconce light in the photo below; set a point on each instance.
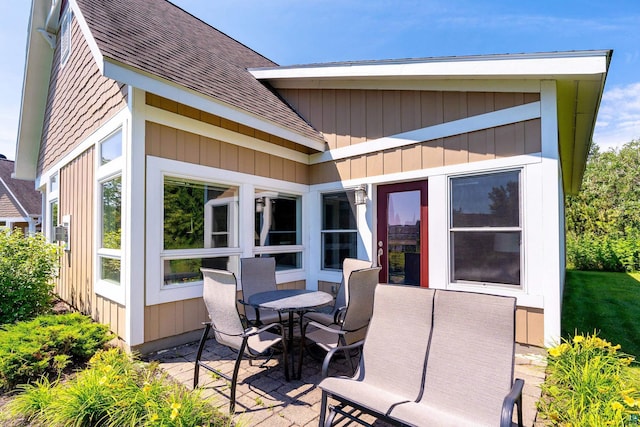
(361, 194)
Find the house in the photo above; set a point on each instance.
(20, 202)
(163, 145)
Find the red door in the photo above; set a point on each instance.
(402, 233)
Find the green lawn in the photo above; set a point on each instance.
(608, 303)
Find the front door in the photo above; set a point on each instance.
(402, 233)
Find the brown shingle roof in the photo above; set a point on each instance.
(24, 191)
(159, 38)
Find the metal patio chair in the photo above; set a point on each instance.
(361, 287)
(219, 295)
(258, 275)
(333, 314)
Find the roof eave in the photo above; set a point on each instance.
(37, 72)
(162, 87)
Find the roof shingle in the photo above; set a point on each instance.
(160, 38)
(24, 191)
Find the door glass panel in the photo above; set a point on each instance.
(403, 237)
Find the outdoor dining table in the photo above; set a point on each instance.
(292, 301)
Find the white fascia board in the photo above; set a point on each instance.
(146, 82)
(37, 71)
(187, 124)
(86, 32)
(454, 85)
(506, 66)
(470, 124)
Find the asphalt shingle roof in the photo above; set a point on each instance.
(160, 38)
(24, 191)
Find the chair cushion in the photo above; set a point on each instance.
(413, 413)
(261, 342)
(325, 318)
(374, 398)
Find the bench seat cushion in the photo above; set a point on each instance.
(370, 397)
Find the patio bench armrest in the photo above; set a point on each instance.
(329, 356)
(338, 317)
(324, 328)
(513, 398)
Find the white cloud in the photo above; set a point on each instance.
(619, 117)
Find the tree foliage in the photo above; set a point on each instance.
(603, 220)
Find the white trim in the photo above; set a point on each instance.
(90, 141)
(157, 168)
(135, 220)
(470, 124)
(504, 66)
(528, 86)
(119, 72)
(187, 124)
(88, 36)
(104, 173)
(15, 199)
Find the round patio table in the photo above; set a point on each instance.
(291, 301)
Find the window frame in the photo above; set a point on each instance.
(520, 228)
(65, 36)
(104, 173)
(247, 184)
(324, 231)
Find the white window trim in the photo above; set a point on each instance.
(114, 169)
(52, 196)
(157, 169)
(467, 284)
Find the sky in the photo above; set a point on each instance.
(300, 32)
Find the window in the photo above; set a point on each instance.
(111, 230)
(339, 229)
(200, 224)
(109, 220)
(53, 215)
(111, 148)
(278, 228)
(65, 37)
(485, 228)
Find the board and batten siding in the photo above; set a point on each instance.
(80, 100)
(75, 282)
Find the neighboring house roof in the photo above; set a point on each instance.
(579, 75)
(23, 196)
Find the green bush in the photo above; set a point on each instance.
(27, 267)
(590, 251)
(114, 390)
(588, 383)
(46, 345)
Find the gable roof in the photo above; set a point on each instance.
(162, 40)
(22, 192)
(157, 47)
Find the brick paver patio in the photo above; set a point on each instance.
(264, 398)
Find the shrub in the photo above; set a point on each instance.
(115, 390)
(604, 252)
(27, 267)
(588, 384)
(46, 345)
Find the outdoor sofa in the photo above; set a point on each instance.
(431, 358)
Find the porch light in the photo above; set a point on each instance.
(361, 194)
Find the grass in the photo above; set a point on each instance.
(607, 303)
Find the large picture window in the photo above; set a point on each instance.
(485, 228)
(200, 223)
(339, 229)
(278, 228)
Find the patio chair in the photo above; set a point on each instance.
(361, 287)
(469, 377)
(219, 295)
(333, 314)
(392, 360)
(258, 275)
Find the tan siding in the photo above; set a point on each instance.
(8, 207)
(75, 283)
(175, 144)
(193, 113)
(79, 101)
(530, 326)
(504, 141)
(354, 116)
